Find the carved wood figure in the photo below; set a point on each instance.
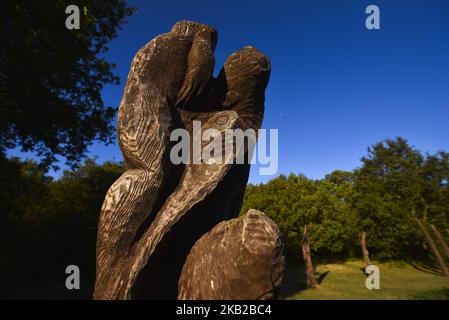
(156, 211)
(238, 259)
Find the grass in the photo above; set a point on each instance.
(439, 294)
(347, 281)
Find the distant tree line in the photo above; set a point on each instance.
(47, 224)
(395, 184)
(51, 80)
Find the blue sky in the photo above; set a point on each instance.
(335, 86)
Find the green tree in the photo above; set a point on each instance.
(325, 206)
(436, 189)
(389, 189)
(332, 229)
(52, 223)
(79, 194)
(22, 187)
(51, 77)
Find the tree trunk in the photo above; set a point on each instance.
(434, 249)
(364, 250)
(440, 239)
(311, 280)
(447, 231)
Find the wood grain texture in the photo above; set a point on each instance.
(240, 259)
(156, 211)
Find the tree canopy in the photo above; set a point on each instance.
(51, 77)
(395, 184)
(47, 224)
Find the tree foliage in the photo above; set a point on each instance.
(395, 184)
(389, 197)
(47, 224)
(51, 77)
(323, 205)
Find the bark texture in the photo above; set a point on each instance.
(240, 259)
(434, 249)
(440, 238)
(156, 211)
(310, 271)
(365, 251)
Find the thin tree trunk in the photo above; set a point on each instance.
(447, 231)
(440, 239)
(364, 250)
(311, 280)
(433, 247)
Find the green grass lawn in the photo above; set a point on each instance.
(347, 281)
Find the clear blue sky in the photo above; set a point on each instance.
(335, 86)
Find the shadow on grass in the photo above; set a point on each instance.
(439, 294)
(363, 271)
(295, 279)
(426, 267)
(42, 282)
(322, 276)
(423, 266)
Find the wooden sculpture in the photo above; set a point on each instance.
(156, 211)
